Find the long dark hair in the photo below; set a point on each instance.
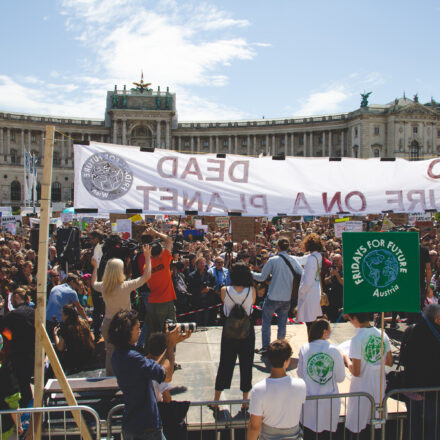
(77, 328)
(119, 332)
(241, 275)
(317, 329)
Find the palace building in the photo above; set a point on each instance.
(148, 118)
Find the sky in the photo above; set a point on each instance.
(225, 59)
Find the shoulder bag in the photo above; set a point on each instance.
(296, 277)
(324, 298)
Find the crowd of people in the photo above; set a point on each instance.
(128, 295)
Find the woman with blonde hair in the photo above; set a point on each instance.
(116, 294)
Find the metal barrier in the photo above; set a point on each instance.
(60, 424)
(200, 418)
(417, 414)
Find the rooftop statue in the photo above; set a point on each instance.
(364, 102)
(141, 86)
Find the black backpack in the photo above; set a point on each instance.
(238, 323)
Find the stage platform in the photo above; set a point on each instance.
(199, 357)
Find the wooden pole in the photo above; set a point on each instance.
(59, 374)
(382, 349)
(43, 249)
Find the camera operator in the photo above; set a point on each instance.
(162, 296)
(201, 285)
(180, 287)
(228, 255)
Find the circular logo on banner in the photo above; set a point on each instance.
(372, 349)
(106, 176)
(320, 368)
(380, 267)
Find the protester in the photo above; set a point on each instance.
(240, 341)
(365, 355)
(309, 293)
(280, 290)
(321, 365)
(74, 340)
(201, 284)
(335, 286)
(19, 325)
(116, 294)
(162, 296)
(220, 274)
(61, 295)
(422, 366)
(276, 402)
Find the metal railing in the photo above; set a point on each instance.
(417, 414)
(201, 419)
(56, 421)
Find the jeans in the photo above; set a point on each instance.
(281, 308)
(153, 435)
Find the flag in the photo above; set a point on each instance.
(35, 161)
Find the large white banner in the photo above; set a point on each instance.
(113, 178)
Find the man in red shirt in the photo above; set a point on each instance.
(161, 298)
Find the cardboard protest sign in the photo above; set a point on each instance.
(243, 228)
(123, 226)
(222, 222)
(381, 271)
(114, 217)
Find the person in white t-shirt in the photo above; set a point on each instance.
(365, 353)
(321, 365)
(276, 402)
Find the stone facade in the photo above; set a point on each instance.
(404, 128)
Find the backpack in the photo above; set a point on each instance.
(238, 323)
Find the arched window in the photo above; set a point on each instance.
(15, 191)
(56, 192)
(376, 152)
(414, 151)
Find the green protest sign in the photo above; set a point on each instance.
(381, 271)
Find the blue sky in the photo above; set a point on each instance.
(224, 59)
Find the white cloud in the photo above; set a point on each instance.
(330, 99)
(323, 102)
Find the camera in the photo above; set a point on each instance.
(184, 327)
(229, 246)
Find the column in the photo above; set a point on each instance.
(211, 143)
(292, 144)
(274, 145)
(329, 144)
(43, 133)
(102, 138)
(235, 144)
(285, 144)
(8, 142)
(323, 144)
(267, 144)
(305, 144)
(167, 135)
(217, 149)
(229, 144)
(342, 143)
(432, 137)
(179, 143)
(311, 154)
(22, 139)
(2, 151)
(158, 134)
(124, 132)
(248, 144)
(82, 136)
(254, 146)
(192, 144)
(29, 138)
(198, 144)
(115, 130)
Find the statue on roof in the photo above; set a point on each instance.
(364, 102)
(141, 86)
(416, 97)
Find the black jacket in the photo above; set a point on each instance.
(423, 357)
